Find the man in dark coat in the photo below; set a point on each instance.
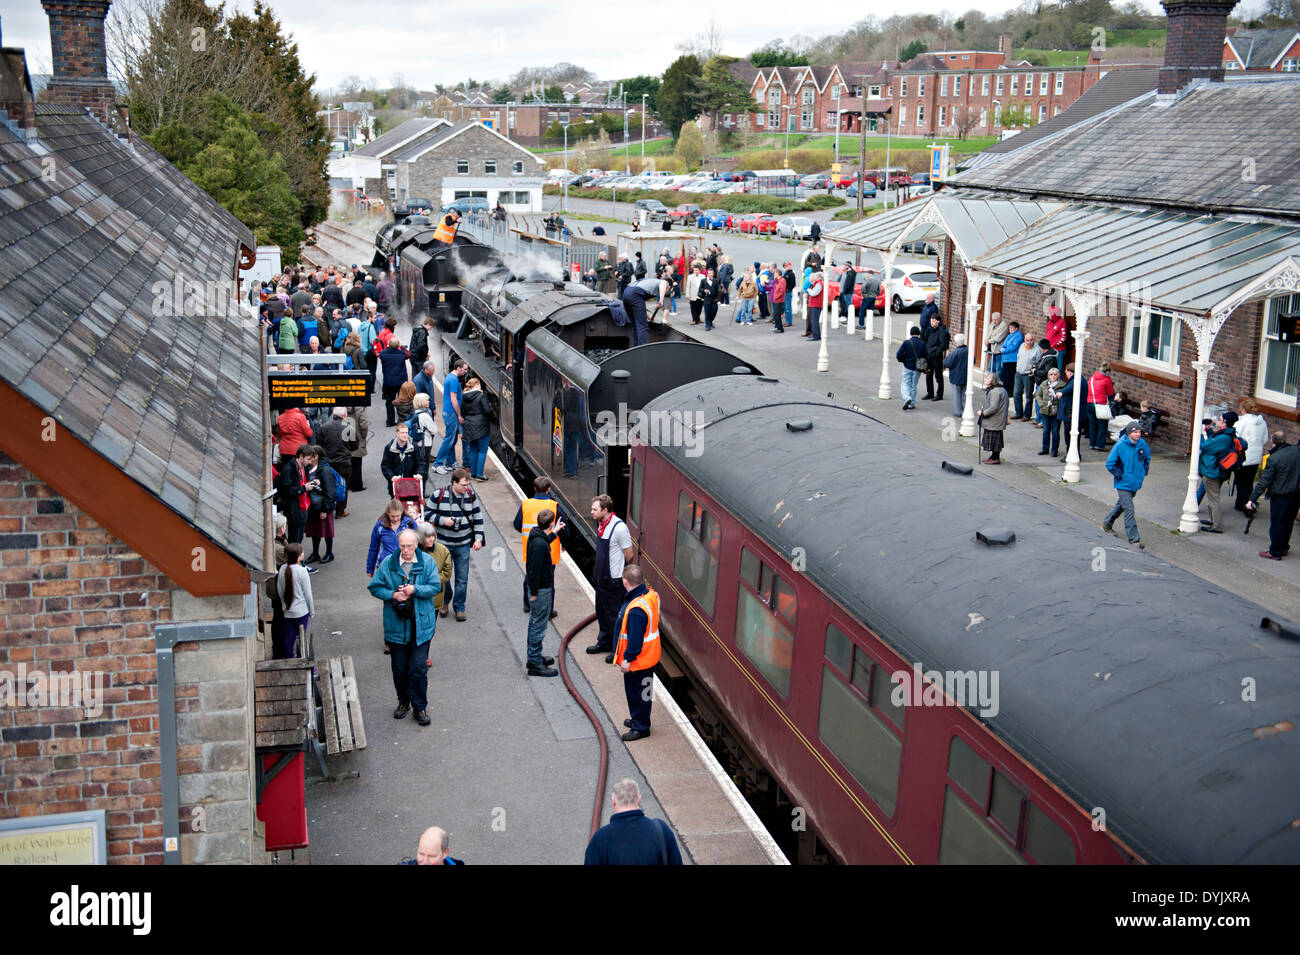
(956, 365)
(936, 347)
(1281, 479)
(630, 837)
(815, 233)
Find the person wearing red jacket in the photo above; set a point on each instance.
(1056, 333)
(294, 431)
(816, 296)
(778, 293)
(1100, 390)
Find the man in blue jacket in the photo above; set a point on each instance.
(1010, 346)
(630, 838)
(1219, 443)
(407, 582)
(1129, 462)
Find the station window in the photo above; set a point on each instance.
(988, 820)
(634, 494)
(518, 167)
(1279, 361)
(765, 620)
(462, 167)
(857, 720)
(489, 167)
(695, 560)
(1153, 338)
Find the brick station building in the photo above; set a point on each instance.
(133, 461)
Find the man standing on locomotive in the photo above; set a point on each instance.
(634, 300)
(445, 232)
(614, 551)
(638, 650)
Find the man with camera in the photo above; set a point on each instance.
(407, 582)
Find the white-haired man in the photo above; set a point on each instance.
(630, 837)
(432, 848)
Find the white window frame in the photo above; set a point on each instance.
(1290, 65)
(462, 167)
(984, 116)
(998, 86)
(997, 113)
(902, 115)
(956, 85)
(1280, 397)
(920, 86)
(1042, 83)
(902, 86)
(1029, 84)
(1056, 111)
(1042, 112)
(943, 85)
(873, 92)
(806, 118)
(489, 167)
(943, 116)
(1015, 84)
(1060, 83)
(1143, 315)
(808, 96)
(519, 167)
(984, 86)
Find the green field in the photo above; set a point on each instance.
(1114, 39)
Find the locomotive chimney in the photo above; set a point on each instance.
(1194, 43)
(80, 58)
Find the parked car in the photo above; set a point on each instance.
(467, 205)
(654, 209)
(758, 223)
(864, 275)
(687, 213)
(909, 285)
(794, 227)
(868, 191)
(915, 191)
(712, 219)
(815, 181)
(920, 247)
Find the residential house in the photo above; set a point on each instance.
(1275, 50)
(469, 160)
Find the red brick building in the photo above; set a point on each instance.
(1276, 51)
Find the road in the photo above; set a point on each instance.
(615, 218)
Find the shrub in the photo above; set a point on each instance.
(742, 203)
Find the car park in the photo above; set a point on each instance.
(758, 223)
(794, 227)
(868, 191)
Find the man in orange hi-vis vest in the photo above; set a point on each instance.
(638, 650)
(445, 231)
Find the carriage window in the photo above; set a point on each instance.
(966, 840)
(838, 649)
(634, 494)
(882, 696)
(695, 560)
(994, 823)
(867, 746)
(765, 615)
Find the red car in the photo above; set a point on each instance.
(758, 223)
(687, 212)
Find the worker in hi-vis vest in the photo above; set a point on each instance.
(637, 651)
(526, 520)
(445, 232)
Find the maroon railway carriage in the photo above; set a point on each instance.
(790, 522)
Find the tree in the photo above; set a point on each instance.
(678, 91)
(351, 88)
(776, 53)
(690, 145)
(636, 85)
(705, 45)
(965, 118)
(503, 94)
(719, 91)
(553, 94)
(171, 54)
(912, 50)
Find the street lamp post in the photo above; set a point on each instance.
(643, 99)
(787, 134)
(837, 123)
(565, 204)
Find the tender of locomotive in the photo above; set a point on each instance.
(1082, 702)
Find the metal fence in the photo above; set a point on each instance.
(505, 236)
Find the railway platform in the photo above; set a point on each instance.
(509, 764)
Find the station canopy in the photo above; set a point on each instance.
(974, 222)
(1195, 264)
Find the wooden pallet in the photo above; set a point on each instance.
(345, 730)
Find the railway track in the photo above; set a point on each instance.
(336, 243)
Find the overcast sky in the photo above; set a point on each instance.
(447, 42)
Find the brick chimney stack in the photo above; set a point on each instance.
(1194, 43)
(80, 59)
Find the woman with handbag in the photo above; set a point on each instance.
(1100, 390)
(295, 499)
(321, 500)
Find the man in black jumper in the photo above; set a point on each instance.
(630, 838)
(541, 590)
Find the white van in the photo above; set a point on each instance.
(264, 268)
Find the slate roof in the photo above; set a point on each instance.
(1257, 49)
(396, 137)
(1170, 154)
(172, 401)
(1113, 89)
